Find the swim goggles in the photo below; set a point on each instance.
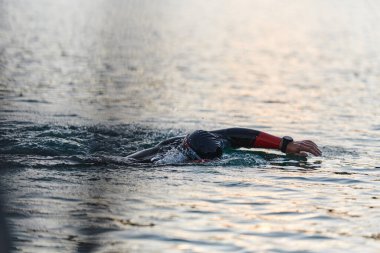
(188, 151)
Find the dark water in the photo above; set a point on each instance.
(85, 83)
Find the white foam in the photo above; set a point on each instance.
(170, 157)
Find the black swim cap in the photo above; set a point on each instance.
(205, 144)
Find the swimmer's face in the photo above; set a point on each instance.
(210, 152)
(201, 145)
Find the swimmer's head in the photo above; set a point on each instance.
(202, 145)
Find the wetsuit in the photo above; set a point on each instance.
(201, 142)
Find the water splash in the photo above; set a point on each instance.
(173, 156)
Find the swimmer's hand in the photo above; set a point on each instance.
(301, 147)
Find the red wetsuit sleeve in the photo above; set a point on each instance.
(264, 140)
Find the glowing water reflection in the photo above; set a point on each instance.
(85, 83)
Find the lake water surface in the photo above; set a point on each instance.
(85, 83)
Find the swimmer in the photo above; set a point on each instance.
(203, 145)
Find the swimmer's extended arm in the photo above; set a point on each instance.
(249, 138)
(147, 154)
